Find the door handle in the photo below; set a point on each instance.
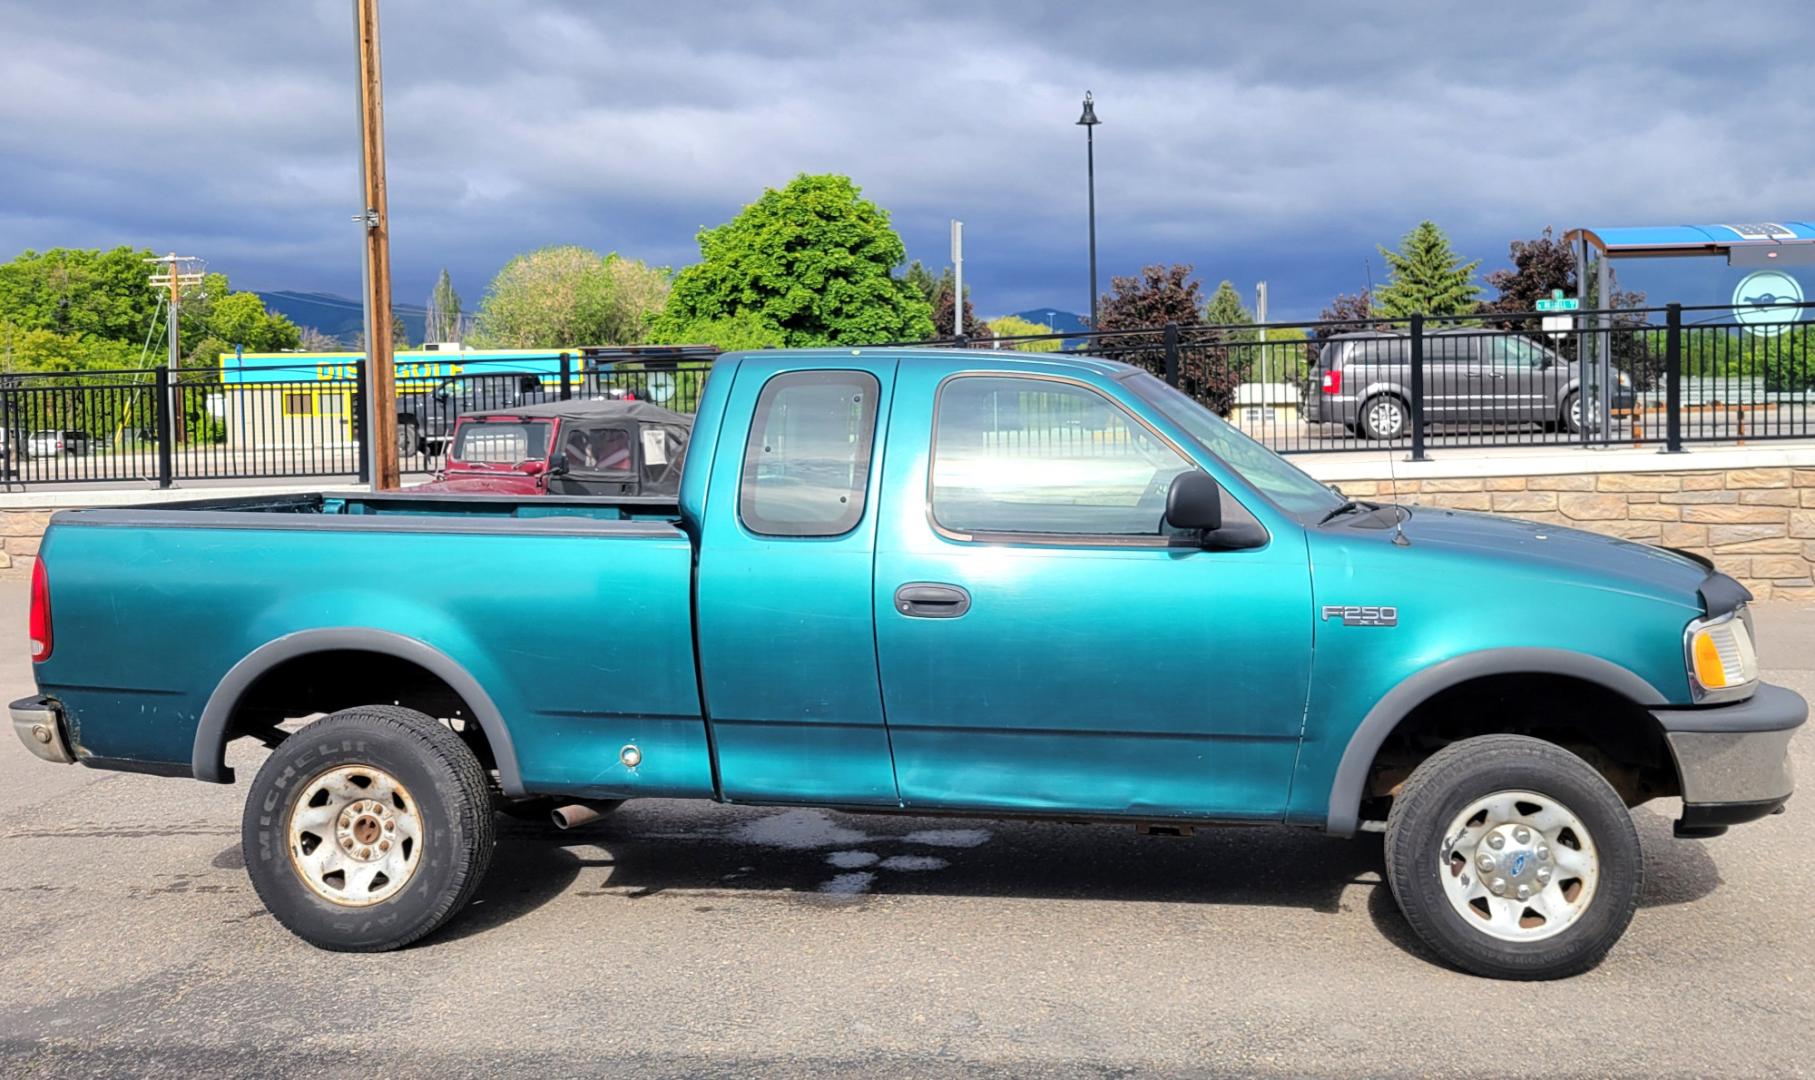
(931, 600)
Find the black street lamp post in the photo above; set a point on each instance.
(1089, 122)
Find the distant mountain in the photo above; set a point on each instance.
(338, 316)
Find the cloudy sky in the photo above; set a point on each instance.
(1278, 141)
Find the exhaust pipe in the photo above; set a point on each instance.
(574, 815)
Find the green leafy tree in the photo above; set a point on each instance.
(443, 323)
(814, 260)
(1013, 326)
(69, 291)
(44, 350)
(568, 296)
(1426, 277)
(732, 333)
(639, 292)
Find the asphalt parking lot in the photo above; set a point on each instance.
(675, 939)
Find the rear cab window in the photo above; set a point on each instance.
(807, 459)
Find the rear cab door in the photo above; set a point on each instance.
(786, 635)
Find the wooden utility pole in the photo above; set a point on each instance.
(381, 369)
(179, 272)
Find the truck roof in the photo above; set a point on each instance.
(1008, 358)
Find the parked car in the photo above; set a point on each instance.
(1472, 379)
(567, 448)
(425, 418)
(922, 582)
(51, 442)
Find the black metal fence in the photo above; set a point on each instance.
(1665, 377)
(293, 419)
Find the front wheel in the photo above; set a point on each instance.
(409, 440)
(368, 829)
(1513, 858)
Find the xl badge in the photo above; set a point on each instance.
(1361, 614)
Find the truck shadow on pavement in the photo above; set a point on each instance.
(822, 858)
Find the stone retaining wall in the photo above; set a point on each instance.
(1756, 524)
(19, 533)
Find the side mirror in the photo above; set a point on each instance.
(1194, 502)
(557, 464)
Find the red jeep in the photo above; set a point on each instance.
(566, 448)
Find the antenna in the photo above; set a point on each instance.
(1392, 473)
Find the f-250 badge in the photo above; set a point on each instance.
(1361, 614)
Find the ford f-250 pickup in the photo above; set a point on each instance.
(923, 582)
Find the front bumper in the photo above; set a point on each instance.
(1733, 760)
(40, 727)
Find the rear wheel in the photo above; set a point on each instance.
(1384, 417)
(1513, 858)
(368, 829)
(409, 440)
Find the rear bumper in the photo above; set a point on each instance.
(40, 727)
(1733, 760)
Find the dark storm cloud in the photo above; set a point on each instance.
(1278, 140)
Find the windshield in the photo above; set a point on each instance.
(501, 443)
(1279, 480)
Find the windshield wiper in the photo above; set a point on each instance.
(1348, 506)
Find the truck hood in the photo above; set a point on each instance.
(1562, 553)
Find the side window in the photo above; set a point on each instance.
(807, 462)
(1020, 455)
(1511, 351)
(1451, 349)
(596, 449)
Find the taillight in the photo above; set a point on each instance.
(40, 612)
(1332, 381)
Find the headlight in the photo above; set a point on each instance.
(1723, 666)
(1625, 379)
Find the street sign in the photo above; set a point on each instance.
(1760, 302)
(1559, 302)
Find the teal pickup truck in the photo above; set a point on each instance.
(922, 582)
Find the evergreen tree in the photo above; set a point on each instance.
(444, 311)
(1226, 308)
(1427, 276)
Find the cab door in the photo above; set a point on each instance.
(786, 636)
(1044, 645)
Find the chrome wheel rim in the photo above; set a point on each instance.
(1518, 866)
(1575, 411)
(1385, 418)
(355, 835)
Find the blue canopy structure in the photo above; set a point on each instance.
(1755, 244)
(1751, 244)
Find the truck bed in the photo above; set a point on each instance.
(573, 614)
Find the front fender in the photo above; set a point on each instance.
(1349, 783)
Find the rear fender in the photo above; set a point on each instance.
(209, 758)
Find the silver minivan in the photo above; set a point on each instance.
(1472, 379)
